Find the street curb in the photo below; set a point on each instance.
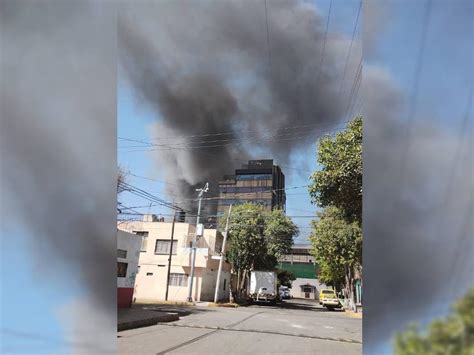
(163, 318)
(225, 305)
(353, 314)
(173, 303)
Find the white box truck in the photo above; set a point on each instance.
(263, 286)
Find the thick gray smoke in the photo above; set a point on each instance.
(58, 148)
(417, 230)
(208, 67)
(418, 187)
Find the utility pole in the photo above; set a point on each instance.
(169, 258)
(222, 256)
(201, 192)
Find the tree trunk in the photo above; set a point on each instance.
(237, 285)
(244, 274)
(349, 289)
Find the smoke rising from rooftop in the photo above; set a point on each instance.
(209, 67)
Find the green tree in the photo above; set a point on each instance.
(331, 275)
(337, 248)
(257, 239)
(279, 231)
(339, 182)
(285, 278)
(453, 335)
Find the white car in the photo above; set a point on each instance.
(284, 292)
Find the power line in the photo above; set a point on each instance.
(277, 130)
(151, 179)
(324, 44)
(354, 90)
(297, 136)
(146, 195)
(456, 264)
(350, 47)
(414, 97)
(132, 208)
(240, 141)
(240, 131)
(268, 37)
(237, 194)
(212, 215)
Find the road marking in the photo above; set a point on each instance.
(296, 326)
(328, 327)
(352, 341)
(243, 320)
(193, 340)
(215, 330)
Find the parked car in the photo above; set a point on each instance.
(284, 292)
(328, 299)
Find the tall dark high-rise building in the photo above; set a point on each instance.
(258, 182)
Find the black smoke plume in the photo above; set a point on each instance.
(212, 67)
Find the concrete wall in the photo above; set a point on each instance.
(131, 244)
(150, 288)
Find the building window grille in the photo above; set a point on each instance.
(162, 246)
(122, 254)
(178, 279)
(122, 269)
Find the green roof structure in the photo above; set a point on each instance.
(300, 270)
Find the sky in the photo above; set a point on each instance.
(28, 298)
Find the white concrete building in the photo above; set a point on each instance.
(306, 288)
(128, 252)
(301, 263)
(150, 283)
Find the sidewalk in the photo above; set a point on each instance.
(141, 316)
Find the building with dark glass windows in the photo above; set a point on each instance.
(258, 182)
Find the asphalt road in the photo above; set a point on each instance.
(295, 327)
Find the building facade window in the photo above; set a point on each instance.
(122, 254)
(144, 240)
(245, 189)
(162, 246)
(254, 177)
(178, 279)
(225, 281)
(122, 269)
